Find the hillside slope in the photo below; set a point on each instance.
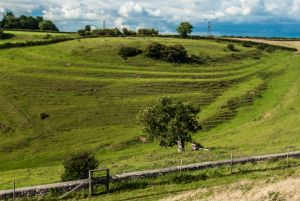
(249, 101)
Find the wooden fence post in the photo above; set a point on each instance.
(231, 162)
(107, 180)
(14, 192)
(90, 183)
(180, 165)
(288, 155)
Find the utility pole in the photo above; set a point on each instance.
(209, 28)
(104, 24)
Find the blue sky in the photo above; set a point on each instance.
(229, 17)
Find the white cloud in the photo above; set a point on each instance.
(163, 15)
(130, 7)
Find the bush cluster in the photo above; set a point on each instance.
(246, 44)
(173, 54)
(115, 32)
(1, 33)
(128, 32)
(127, 51)
(99, 32)
(231, 47)
(147, 32)
(78, 164)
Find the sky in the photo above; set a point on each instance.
(228, 17)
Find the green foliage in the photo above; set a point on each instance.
(127, 51)
(231, 47)
(78, 164)
(184, 29)
(47, 25)
(172, 54)
(262, 46)
(81, 32)
(87, 28)
(147, 32)
(246, 44)
(107, 32)
(10, 21)
(155, 50)
(175, 54)
(170, 122)
(127, 32)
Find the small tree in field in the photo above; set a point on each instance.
(184, 29)
(78, 164)
(170, 122)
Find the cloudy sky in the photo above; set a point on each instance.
(230, 17)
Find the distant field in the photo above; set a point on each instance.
(286, 43)
(249, 101)
(22, 36)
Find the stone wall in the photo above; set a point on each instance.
(64, 187)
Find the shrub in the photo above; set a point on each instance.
(81, 32)
(174, 54)
(127, 51)
(231, 47)
(154, 50)
(262, 46)
(78, 164)
(270, 49)
(246, 44)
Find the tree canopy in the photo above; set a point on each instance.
(184, 29)
(170, 122)
(48, 25)
(10, 21)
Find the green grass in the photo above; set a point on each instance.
(178, 183)
(93, 97)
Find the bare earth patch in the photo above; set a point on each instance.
(284, 190)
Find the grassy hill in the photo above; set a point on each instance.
(249, 101)
(23, 36)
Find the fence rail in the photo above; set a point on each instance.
(68, 186)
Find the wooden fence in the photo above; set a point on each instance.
(65, 187)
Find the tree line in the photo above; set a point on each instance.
(10, 21)
(88, 31)
(184, 29)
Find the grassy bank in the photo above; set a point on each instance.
(249, 101)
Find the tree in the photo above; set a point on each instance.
(127, 32)
(170, 122)
(9, 21)
(184, 29)
(78, 164)
(47, 25)
(147, 32)
(88, 28)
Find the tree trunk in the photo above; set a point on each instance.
(180, 145)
